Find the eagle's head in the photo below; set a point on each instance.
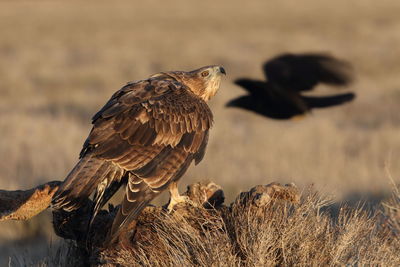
(203, 82)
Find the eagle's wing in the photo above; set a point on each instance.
(150, 131)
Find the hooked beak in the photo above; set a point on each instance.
(222, 70)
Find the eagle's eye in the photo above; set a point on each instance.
(204, 73)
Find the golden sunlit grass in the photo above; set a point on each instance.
(60, 62)
(278, 234)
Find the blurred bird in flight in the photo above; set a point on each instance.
(288, 75)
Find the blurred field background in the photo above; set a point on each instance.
(60, 62)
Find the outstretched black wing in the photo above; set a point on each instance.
(303, 72)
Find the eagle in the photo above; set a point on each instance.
(145, 136)
(288, 76)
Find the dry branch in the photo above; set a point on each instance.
(25, 204)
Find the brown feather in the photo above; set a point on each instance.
(165, 127)
(197, 141)
(131, 206)
(199, 155)
(81, 182)
(112, 148)
(139, 157)
(148, 137)
(139, 133)
(158, 125)
(129, 131)
(96, 175)
(122, 122)
(186, 141)
(101, 131)
(151, 166)
(188, 124)
(113, 110)
(166, 169)
(173, 128)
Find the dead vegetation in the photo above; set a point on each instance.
(270, 225)
(274, 233)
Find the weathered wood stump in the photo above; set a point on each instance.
(24, 204)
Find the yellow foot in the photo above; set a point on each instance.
(176, 200)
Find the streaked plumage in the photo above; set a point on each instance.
(288, 76)
(147, 135)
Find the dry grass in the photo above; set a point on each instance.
(60, 61)
(278, 234)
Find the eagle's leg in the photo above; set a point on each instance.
(176, 198)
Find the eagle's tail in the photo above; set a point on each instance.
(137, 197)
(81, 182)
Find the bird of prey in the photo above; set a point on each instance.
(289, 75)
(147, 135)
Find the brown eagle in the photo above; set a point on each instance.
(147, 135)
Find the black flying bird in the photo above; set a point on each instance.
(288, 76)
